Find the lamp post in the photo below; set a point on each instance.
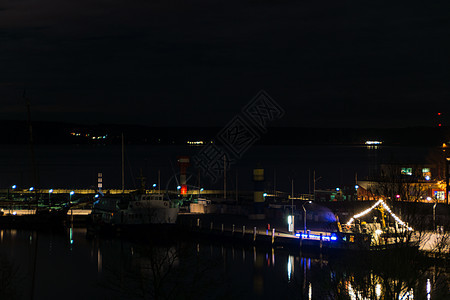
(304, 215)
(13, 187)
(50, 191)
(70, 203)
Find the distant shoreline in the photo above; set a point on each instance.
(17, 132)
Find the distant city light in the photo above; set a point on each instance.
(195, 143)
(397, 196)
(14, 186)
(202, 189)
(31, 188)
(50, 191)
(356, 186)
(429, 198)
(374, 142)
(338, 189)
(427, 177)
(265, 195)
(71, 193)
(179, 187)
(96, 196)
(154, 185)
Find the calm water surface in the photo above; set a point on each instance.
(69, 265)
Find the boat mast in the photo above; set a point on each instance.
(31, 147)
(123, 168)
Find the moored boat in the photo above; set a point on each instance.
(133, 211)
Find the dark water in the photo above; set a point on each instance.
(76, 166)
(69, 265)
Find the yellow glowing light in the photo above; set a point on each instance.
(397, 219)
(378, 291)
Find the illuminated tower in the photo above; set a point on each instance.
(183, 163)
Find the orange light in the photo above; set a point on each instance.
(183, 189)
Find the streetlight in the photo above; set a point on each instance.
(304, 215)
(13, 188)
(50, 191)
(70, 203)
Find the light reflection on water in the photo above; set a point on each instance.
(112, 268)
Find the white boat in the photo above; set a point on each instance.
(134, 210)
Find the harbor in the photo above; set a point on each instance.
(286, 228)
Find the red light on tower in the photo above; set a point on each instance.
(439, 114)
(183, 190)
(183, 162)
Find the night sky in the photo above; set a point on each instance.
(198, 62)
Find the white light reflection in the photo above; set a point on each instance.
(290, 267)
(351, 292)
(378, 291)
(310, 291)
(428, 289)
(408, 295)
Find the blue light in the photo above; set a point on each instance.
(154, 185)
(265, 195)
(50, 191)
(72, 192)
(356, 186)
(338, 189)
(14, 186)
(316, 237)
(31, 188)
(202, 189)
(179, 187)
(96, 196)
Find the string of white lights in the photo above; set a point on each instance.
(364, 212)
(397, 219)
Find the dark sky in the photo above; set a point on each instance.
(198, 62)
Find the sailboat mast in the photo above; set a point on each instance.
(123, 167)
